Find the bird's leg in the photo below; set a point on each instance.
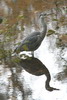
(32, 54)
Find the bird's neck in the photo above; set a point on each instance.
(44, 28)
(47, 85)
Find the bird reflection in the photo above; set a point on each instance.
(36, 67)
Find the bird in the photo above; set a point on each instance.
(35, 67)
(33, 41)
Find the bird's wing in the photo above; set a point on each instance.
(28, 43)
(30, 40)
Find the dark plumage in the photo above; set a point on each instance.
(36, 67)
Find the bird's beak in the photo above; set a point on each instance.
(49, 14)
(45, 14)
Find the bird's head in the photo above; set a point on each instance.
(42, 15)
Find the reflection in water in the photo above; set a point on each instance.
(62, 76)
(36, 67)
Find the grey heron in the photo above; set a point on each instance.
(33, 41)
